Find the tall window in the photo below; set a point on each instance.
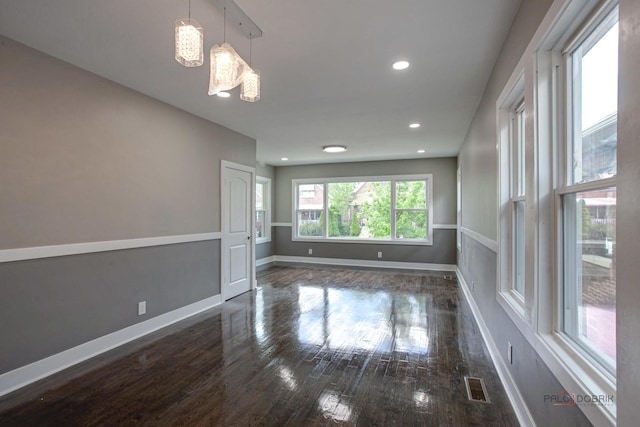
(459, 210)
(511, 257)
(390, 209)
(589, 194)
(263, 209)
(518, 196)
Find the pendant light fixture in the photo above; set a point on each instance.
(250, 89)
(227, 67)
(189, 41)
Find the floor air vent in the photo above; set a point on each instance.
(448, 277)
(476, 390)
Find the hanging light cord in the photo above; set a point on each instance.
(250, 42)
(224, 25)
(189, 10)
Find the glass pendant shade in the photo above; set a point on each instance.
(189, 42)
(250, 89)
(228, 69)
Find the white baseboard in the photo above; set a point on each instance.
(266, 260)
(513, 393)
(13, 380)
(366, 263)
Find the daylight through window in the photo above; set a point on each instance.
(390, 209)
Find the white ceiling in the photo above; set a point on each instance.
(325, 65)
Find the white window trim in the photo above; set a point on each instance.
(391, 178)
(575, 369)
(266, 201)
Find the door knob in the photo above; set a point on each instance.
(249, 238)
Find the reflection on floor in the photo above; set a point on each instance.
(312, 346)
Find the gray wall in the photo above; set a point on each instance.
(478, 157)
(83, 159)
(267, 249)
(628, 215)
(52, 304)
(477, 263)
(443, 250)
(444, 212)
(443, 170)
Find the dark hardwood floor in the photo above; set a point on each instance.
(316, 346)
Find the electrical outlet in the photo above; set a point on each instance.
(142, 308)
(310, 251)
(510, 352)
(379, 254)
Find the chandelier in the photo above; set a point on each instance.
(250, 89)
(189, 41)
(228, 69)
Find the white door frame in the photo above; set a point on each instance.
(224, 215)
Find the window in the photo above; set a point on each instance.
(263, 210)
(309, 209)
(410, 210)
(518, 197)
(459, 210)
(588, 198)
(385, 209)
(512, 173)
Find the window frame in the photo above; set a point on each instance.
(459, 209)
(567, 185)
(511, 179)
(517, 145)
(392, 179)
(266, 202)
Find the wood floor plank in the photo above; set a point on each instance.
(312, 346)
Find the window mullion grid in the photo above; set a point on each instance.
(587, 186)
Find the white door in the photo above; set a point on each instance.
(237, 229)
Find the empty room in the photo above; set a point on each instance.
(297, 213)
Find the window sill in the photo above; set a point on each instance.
(513, 305)
(406, 242)
(581, 376)
(261, 240)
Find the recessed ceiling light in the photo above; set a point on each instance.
(414, 125)
(223, 94)
(284, 159)
(400, 65)
(420, 151)
(334, 148)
